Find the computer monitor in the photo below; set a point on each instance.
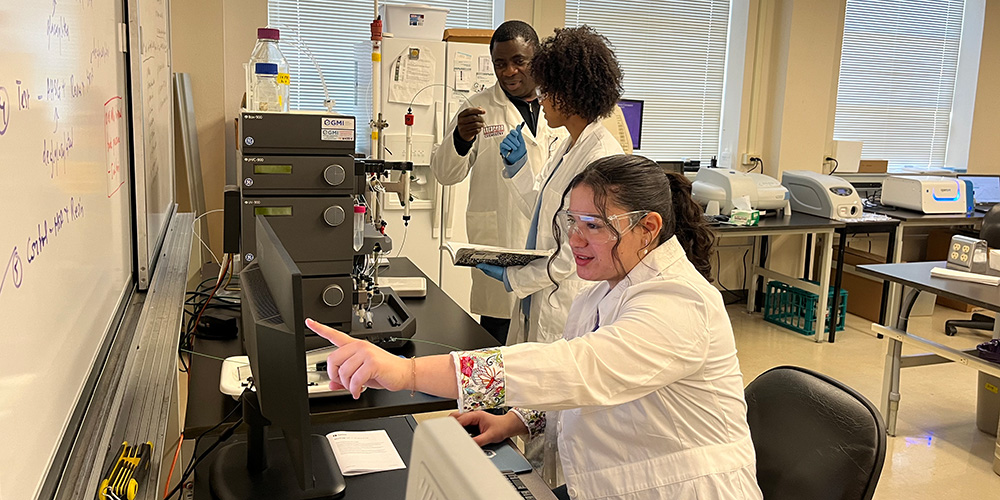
(446, 464)
(632, 109)
(676, 167)
(297, 464)
(985, 188)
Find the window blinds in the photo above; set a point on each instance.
(897, 79)
(673, 56)
(336, 34)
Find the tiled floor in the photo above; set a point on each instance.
(938, 453)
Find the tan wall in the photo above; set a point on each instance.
(211, 41)
(200, 56)
(807, 97)
(790, 93)
(790, 88)
(984, 156)
(544, 15)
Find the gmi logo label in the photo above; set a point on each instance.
(338, 123)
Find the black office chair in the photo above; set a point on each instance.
(991, 233)
(815, 437)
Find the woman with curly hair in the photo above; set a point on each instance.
(643, 392)
(580, 83)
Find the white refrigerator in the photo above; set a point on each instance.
(415, 74)
(468, 71)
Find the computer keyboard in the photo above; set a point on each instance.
(518, 485)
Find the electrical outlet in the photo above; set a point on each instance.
(745, 158)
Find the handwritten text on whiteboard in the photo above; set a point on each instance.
(113, 144)
(45, 235)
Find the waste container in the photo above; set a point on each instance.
(988, 393)
(988, 404)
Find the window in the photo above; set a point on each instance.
(898, 79)
(673, 54)
(331, 33)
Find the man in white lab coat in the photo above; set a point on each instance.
(470, 150)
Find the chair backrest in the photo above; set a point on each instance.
(990, 231)
(815, 437)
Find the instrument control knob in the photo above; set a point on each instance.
(334, 216)
(334, 175)
(333, 295)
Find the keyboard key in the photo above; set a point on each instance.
(518, 485)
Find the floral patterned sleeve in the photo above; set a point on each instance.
(534, 420)
(481, 386)
(480, 379)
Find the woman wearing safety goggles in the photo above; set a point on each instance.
(643, 393)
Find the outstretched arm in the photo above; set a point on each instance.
(357, 363)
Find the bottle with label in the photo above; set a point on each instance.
(359, 227)
(266, 51)
(266, 95)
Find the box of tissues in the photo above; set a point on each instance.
(741, 217)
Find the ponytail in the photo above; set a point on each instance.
(689, 226)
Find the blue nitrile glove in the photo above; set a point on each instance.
(513, 148)
(495, 272)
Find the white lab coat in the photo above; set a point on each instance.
(549, 311)
(492, 217)
(644, 392)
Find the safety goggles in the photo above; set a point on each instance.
(595, 228)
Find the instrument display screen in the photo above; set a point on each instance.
(272, 169)
(272, 211)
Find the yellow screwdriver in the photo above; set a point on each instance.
(126, 473)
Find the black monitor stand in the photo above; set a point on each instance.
(244, 470)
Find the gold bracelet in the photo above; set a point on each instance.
(413, 373)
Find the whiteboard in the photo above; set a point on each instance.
(65, 223)
(152, 111)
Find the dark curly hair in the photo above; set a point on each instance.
(650, 188)
(577, 68)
